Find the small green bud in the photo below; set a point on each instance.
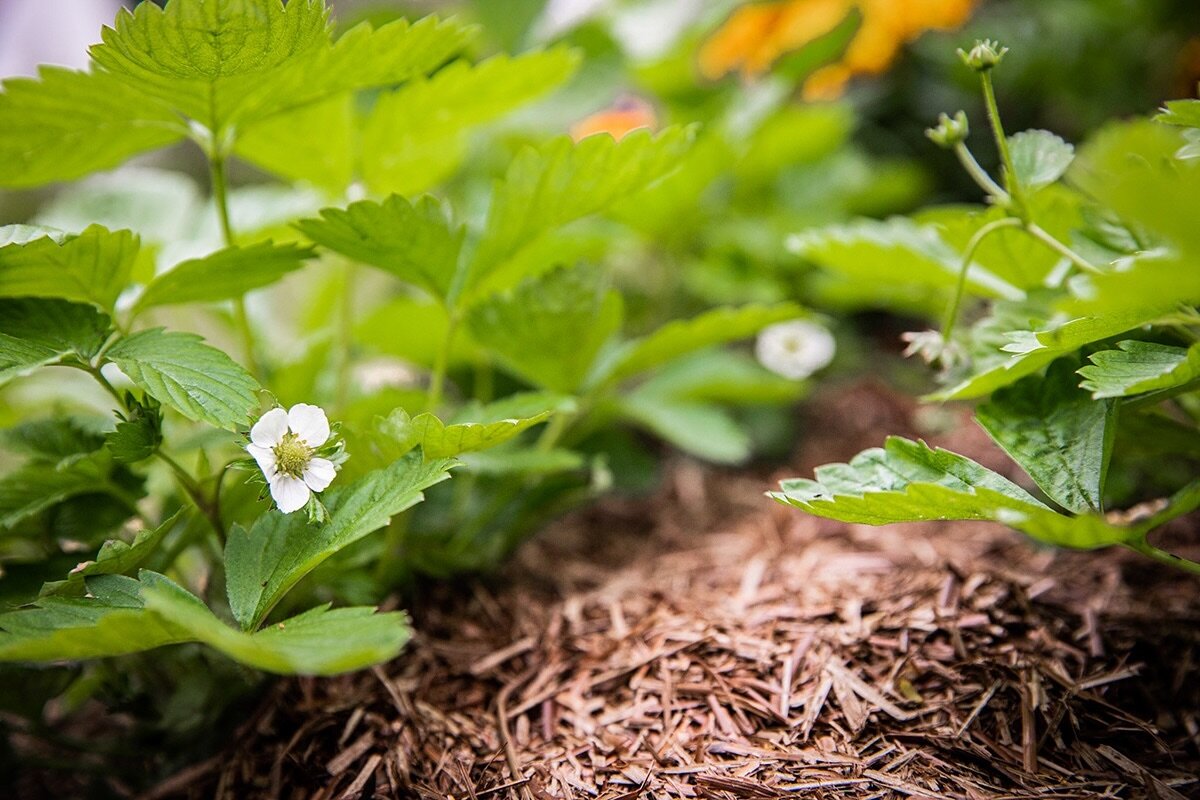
(984, 55)
(949, 133)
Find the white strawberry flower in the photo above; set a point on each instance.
(795, 349)
(284, 444)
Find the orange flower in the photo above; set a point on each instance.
(755, 36)
(622, 118)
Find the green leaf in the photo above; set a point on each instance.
(53, 440)
(124, 615)
(319, 641)
(283, 144)
(681, 337)
(562, 182)
(550, 329)
(1057, 433)
(37, 332)
(23, 234)
(508, 461)
(1032, 350)
(414, 136)
(160, 206)
(116, 557)
(319, 97)
(1183, 113)
(262, 564)
(138, 436)
(895, 252)
(224, 275)
(1039, 158)
(66, 124)
(1010, 253)
(93, 267)
(1132, 169)
(1139, 367)
(35, 487)
(700, 429)
(906, 481)
(725, 377)
(414, 242)
(495, 424)
(182, 372)
(208, 58)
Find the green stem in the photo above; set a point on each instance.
(194, 492)
(979, 174)
(344, 338)
(437, 380)
(1048, 239)
(968, 256)
(1011, 183)
(220, 191)
(1162, 556)
(1151, 399)
(96, 373)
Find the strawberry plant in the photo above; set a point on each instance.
(258, 488)
(1080, 277)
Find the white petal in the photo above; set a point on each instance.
(319, 474)
(265, 456)
(309, 423)
(270, 428)
(290, 494)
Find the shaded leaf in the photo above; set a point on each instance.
(1060, 436)
(550, 329)
(681, 337)
(116, 557)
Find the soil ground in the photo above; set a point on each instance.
(708, 643)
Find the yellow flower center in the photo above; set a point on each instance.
(292, 456)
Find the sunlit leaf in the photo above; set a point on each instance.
(1139, 367)
(182, 372)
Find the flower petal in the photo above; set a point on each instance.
(270, 428)
(290, 494)
(309, 423)
(319, 474)
(265, 456)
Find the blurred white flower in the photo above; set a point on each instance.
(283, 443)
(932, 348)
(34, 32)
(795, 349)
(377, 374)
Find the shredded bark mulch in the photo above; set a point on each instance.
(708, 644)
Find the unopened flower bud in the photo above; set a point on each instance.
(984, 55)
(949, 132)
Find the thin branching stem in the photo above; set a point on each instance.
(968, 257)
(1011, 184)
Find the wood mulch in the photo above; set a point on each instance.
(706, 643)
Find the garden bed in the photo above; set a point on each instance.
(706, 643)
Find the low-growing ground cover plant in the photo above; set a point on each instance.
(260, 489)
(1082, 337)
